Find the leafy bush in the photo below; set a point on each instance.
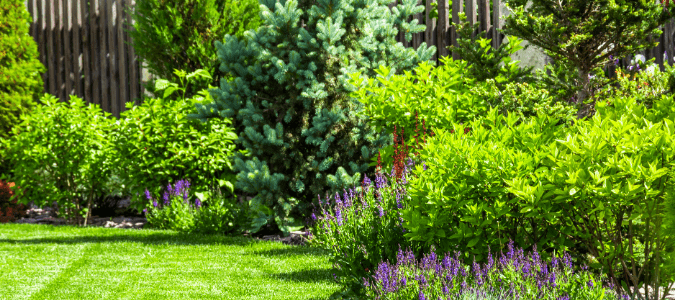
(462, 202)
(513, 276)
(179, 34)
(157, 143)
(10, 209)
(20, 69)
(290, 102)
(207, 214)
(582, 188)
(62, 153)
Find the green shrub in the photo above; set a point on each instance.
(179, 34)
(62, 152)
(290, 103)
(157, 143)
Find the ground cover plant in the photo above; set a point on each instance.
(170, 34)
(65, 262)
(510, 275)
(289, 100)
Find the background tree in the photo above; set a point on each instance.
(20, 69)
(582, 34)
(179, 34)
(290, 102)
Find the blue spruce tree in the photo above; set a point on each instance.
(289, 99)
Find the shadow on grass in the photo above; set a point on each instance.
(154, 238)
(293, 250)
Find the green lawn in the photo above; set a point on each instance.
(65, 262)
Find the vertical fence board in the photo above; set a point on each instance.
(67, 54)
(471, 14)
(457, 7)
(484, 16)
(77, 47)
(443, 29)
(103, 44)
(51, 53)
(95, 54)
(121, 60)
(58, 37)
(429, 36)
(134, 71)
(112, 60)
(86, 47)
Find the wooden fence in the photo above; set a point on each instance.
(87, 52)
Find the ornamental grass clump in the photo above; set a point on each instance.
(364, 225)
(513, 275)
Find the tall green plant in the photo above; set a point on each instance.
(179, 34)
(20, 69)
(290, 102)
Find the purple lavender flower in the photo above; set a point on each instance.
(445, 290)
(166, 198)
(338, 215)
(422, 297)
(169, 189)
(404, 281)
(381, 211)
(177, 188)
(351, 193)
(198, 203)
(398, 199)
(380, 181)
(145, 210)
(147, 194)
(590, 284)
(154, 203)
(424, 166)
(366, 183)
(313, 216)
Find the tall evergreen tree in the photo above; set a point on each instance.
(583, 34)
(290, 102)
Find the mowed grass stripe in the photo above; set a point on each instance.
(62, 262)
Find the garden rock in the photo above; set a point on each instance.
(36, 215)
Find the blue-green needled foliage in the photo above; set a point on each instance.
(289, 99)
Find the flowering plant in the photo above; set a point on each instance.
(173, 211)
(364, 226)
(513, 276)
